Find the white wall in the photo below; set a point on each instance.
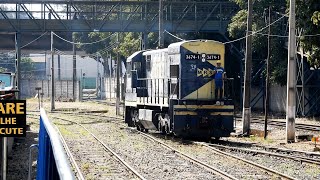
(85, 65)
(277, 98)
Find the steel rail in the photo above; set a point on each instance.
(301, 126)
(296, 158)
(107, 148)
(248, 162)
(69, 154)
(198, 162)
(61, 163)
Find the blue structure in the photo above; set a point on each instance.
(52, 160)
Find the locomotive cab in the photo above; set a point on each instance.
(175, 92)
(7, 88)
(196, 111)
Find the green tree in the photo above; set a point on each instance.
(27, 65)
(308, 18)
(238, 25)
(2, 69)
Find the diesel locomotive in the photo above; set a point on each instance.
(172, 90)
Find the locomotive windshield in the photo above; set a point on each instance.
(5, 80)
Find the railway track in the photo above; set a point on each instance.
(205, 165)
(214, 170)
(278, 123)
(302, 126)
(269, 170)
(302, 157)
(194, 160)
(95, 150)
(217, 149)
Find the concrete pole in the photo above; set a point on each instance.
(118, 80)
(17, 63)
(291, 77)
(110, 76)
(144, 37)
(97, 79)
(247, 79)
(52, 75)
(4, 157)
(161, 37)
(266, 103)
(74, 73)
(59, 68)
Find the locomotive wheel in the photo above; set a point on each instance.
(161, 126)
(138, 127)
(134, 118)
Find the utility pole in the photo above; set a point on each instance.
(97, 80)
(52, 74)
(4, 155)
(247, 79)
(59, 68)
(291, 76)
(266, 103)
(144, 37)
(110, 75)
(17, 63)
(161, 37)
(74, 72)
(118, 80)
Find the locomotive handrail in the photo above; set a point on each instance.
(141, 79)
(52, 158)
(151, 78)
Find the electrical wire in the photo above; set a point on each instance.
(309, 35)
(79, 43)
(255, 32)
(34, 40)
(174, 36)
(272, 35)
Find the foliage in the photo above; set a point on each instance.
(308, 18)
(2, 69)
(27, 65)
(238, 25)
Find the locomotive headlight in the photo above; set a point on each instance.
(203, 57)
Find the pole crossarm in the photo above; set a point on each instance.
(114, 16)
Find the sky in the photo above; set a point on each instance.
(36, 7)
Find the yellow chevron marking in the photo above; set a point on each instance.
(210, 72)
(205, 72)
(199, 72)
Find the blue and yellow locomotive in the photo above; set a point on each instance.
(173, 90)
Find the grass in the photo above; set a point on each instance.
(261, 139)
(253, 138)
(313, 171)
(86, 166)
(65, 132)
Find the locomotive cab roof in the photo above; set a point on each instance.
(134, 56)
(155, 51)
(174, 48)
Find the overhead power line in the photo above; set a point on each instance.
(174, 36)
(255, 32)
(79, 43)
(34, 40)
